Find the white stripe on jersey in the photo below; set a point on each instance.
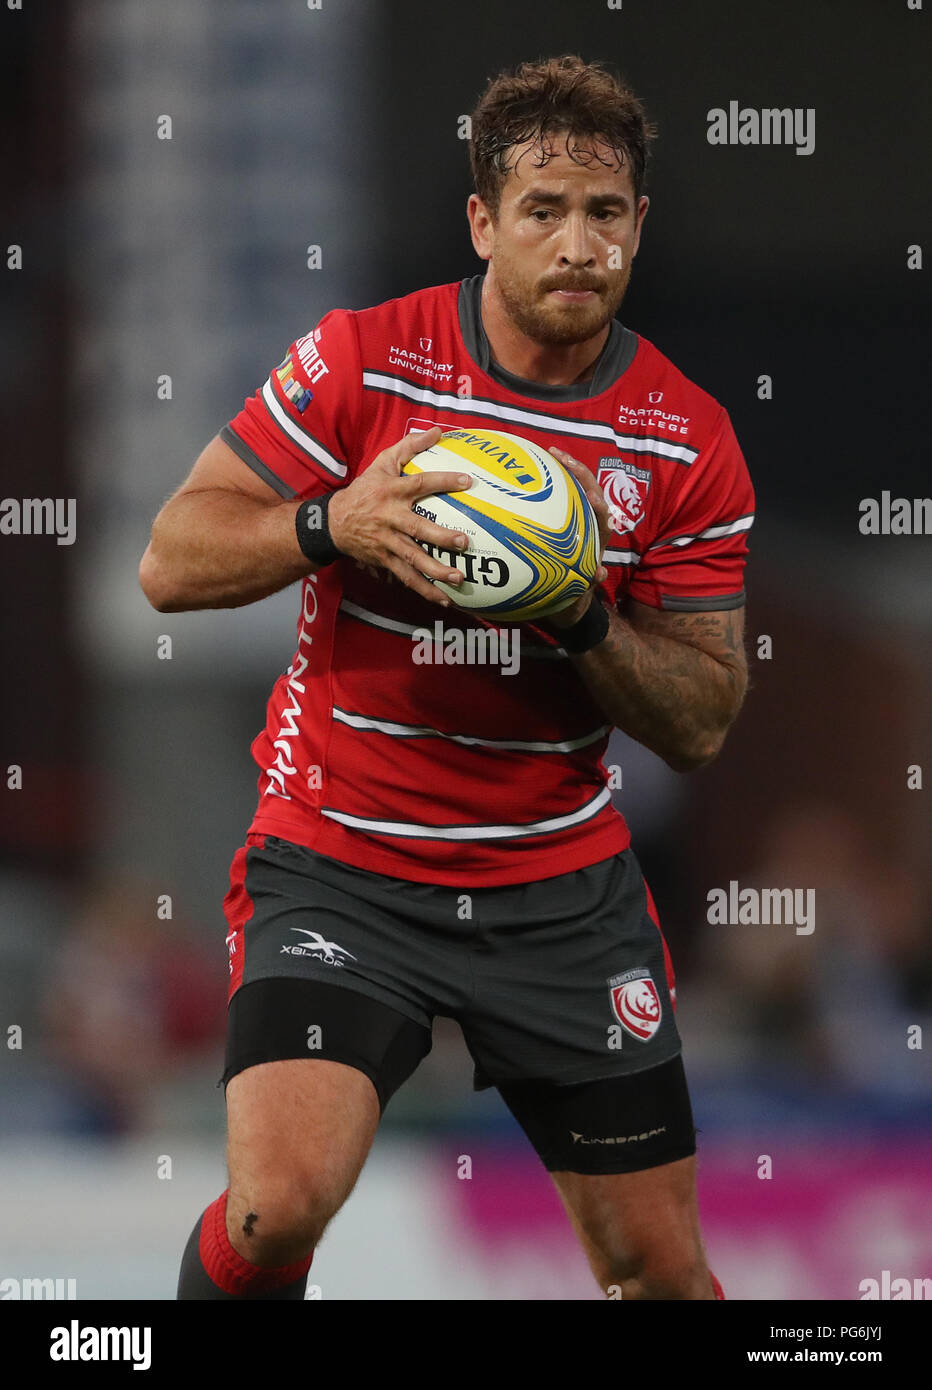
(376, 620)
(408, 830)
(730, 528)
(384, 726)
(586, 429)
(621, 557)
(304, 441)
(365, 615)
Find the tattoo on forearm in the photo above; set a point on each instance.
(675, 682)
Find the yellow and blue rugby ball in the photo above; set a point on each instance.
(533, 536)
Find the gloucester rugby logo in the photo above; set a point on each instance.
(625, 488)
(636, 1003)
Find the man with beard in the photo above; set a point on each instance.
(431, 841)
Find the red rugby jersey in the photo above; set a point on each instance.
(462, 774)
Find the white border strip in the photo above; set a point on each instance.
(409, 830)
(303, 440)
(730, 528)
(384, 726)
(587, 429)
(365, 615)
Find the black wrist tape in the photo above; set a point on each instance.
(313, 530)
(591, 629)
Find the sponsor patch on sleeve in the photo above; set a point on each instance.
(299, 395)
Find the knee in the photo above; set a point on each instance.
(277, 1222)
(657, 1275)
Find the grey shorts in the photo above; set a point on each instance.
(564, 980)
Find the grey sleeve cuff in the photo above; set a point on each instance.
(244, 452)
(673, 603)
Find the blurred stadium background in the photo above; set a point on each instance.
(187, 257)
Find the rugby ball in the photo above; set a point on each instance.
(533, 536)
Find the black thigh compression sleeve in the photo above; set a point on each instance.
(614, 1125)
(281, 1019)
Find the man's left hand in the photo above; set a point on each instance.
(568, 616)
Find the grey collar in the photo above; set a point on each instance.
(616, 356)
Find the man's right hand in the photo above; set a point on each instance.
(372, 519)
(226, 538)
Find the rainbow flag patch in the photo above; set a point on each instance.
(299, 395)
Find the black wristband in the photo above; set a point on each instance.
(591, 629)
(313, 530)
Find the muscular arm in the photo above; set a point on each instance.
(226, 538)
(223, 540)
(673, 681)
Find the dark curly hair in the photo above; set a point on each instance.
(586, 102)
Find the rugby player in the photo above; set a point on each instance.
(437, 839)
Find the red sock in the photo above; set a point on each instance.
(229, 1270)
(719, 1291)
